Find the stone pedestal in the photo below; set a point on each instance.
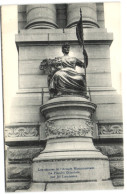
(70, 156)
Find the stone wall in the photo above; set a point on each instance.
(19, 165)
(114, 151)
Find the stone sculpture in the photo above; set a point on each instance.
(69, 129)
(66, 75)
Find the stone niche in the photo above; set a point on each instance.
(39, 38)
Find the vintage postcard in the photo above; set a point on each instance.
(63, 123)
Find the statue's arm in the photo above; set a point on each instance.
(85, 63)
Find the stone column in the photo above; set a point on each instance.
(89, 15)
(41, 16)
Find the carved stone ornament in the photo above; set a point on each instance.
(106, 129)
(53, 130)
(21, 132)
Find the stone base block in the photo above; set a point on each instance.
(14, 186)
(70, 186)
(71, 170)
(118, 182)
(79, 186)
(37, 187)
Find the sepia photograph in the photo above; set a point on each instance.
(62, 96)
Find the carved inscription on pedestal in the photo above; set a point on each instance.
(69, 170)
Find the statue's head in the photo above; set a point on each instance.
(66, 48)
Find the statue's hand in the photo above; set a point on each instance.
(85, 57)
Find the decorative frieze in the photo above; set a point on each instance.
(53, 130)
(107, 129)
(21, 132)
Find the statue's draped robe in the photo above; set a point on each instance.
(66, 80)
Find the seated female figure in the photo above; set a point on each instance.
(67, 75)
